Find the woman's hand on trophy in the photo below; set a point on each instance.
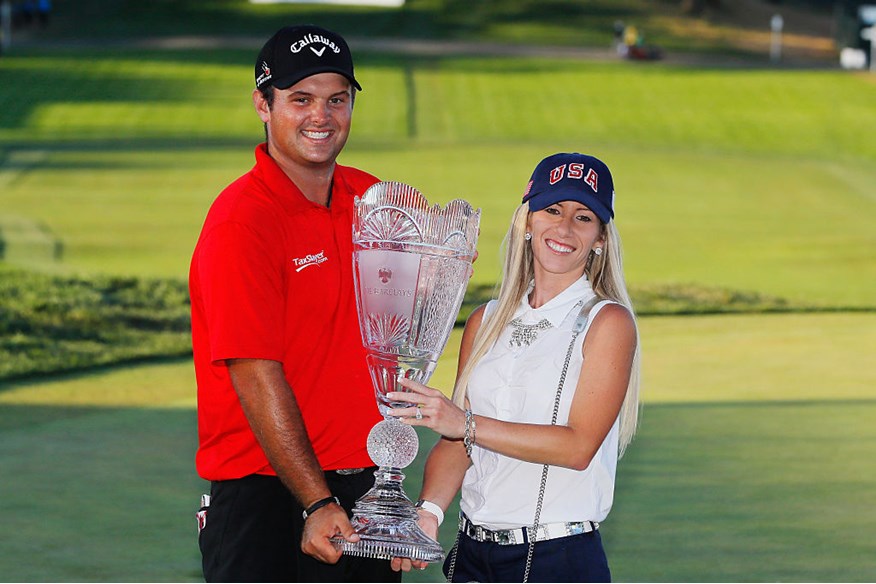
(429, 524)
(431, 409)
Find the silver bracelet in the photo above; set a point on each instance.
(468, 437)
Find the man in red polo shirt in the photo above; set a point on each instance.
(275, 332)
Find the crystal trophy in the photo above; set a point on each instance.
(411, 265)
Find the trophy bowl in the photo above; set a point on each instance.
(411, 265)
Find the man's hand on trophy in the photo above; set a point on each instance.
(429, 524)
(471, 267)
(432, 409)
(322, 525)
(474, 258)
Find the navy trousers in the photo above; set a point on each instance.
(577, 558)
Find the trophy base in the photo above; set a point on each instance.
(384, 517)
(387, 537)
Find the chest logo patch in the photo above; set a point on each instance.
(311, 259)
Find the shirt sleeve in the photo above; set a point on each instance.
(241, 282)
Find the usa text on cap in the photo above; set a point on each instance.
(572, 177)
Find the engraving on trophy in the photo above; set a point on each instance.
(389, 291)
(411, 264)
(387, 330)
(390, 224)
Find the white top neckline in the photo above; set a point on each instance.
(557, 308)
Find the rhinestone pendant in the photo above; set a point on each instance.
(525, 334)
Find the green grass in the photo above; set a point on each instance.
(52, 324)
(744, 358)
(745, 186)
(760, 358)
(98, 477)
(582, 23)
(744, 469)
(159, 95)
(752, 180)
(747, 492)
(141, 213)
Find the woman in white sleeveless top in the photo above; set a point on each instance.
(546, 397)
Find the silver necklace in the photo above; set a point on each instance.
(525, 334)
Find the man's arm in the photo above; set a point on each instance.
(273, 414)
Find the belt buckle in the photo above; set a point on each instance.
(348, 471)
(480, 533)
(469, 528)
(542, 533)
(579, 527)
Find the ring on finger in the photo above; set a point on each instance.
(419, 415)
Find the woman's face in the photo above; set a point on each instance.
(563, 235)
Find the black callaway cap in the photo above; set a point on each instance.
(296, 52)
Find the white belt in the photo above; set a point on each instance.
(543, 532)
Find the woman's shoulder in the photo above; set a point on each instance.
(608, 306)
(489, 307)
(476, 319)
(614, 320)
(477, 315)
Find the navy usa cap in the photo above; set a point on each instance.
(572, 177)
(296, 52)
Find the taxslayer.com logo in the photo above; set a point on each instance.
(312, 259)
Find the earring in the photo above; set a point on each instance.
(597, 250)
(528, 236)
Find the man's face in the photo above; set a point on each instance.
(309, 122)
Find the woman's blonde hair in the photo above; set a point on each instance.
(605, 273)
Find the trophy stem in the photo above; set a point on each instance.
(385, 518)
(387, 497)
(386, 521)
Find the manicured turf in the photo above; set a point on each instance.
(746, 468)
(583, 23)
(753, 180)
(752, 459)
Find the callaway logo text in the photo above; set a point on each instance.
(314, 38)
